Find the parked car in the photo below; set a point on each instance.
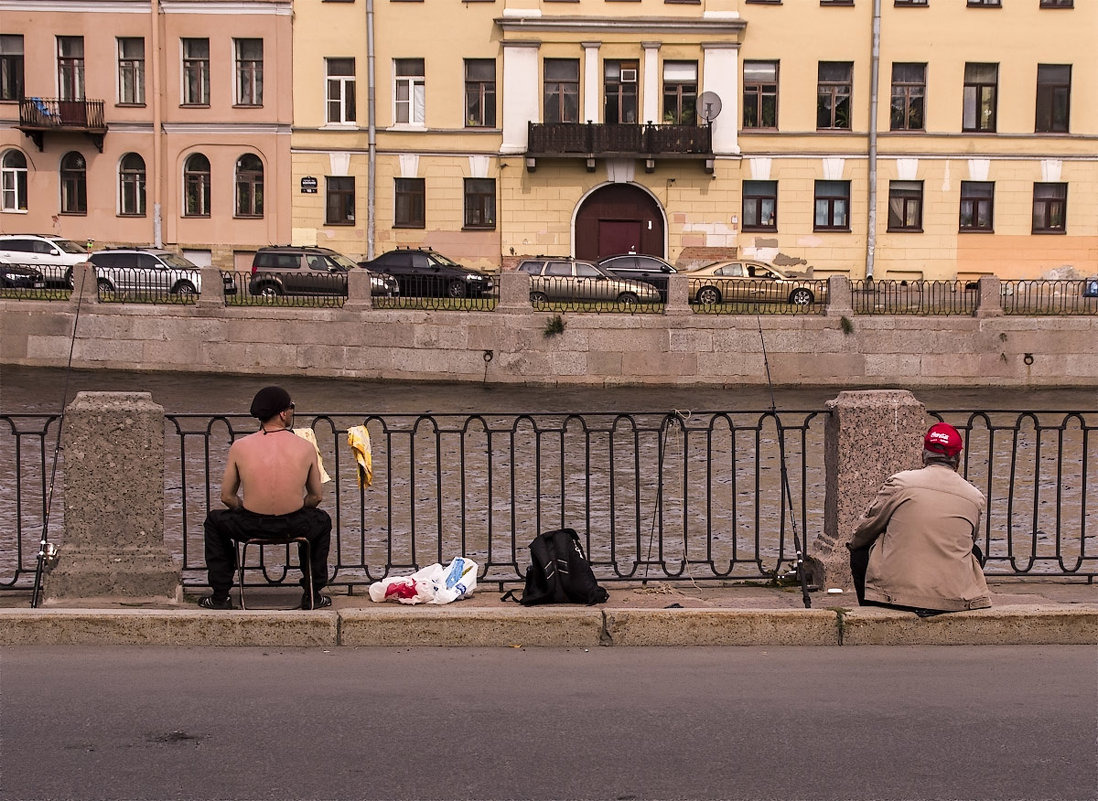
(148, 270)
(578, 280)
(742, 280)
(422, 272)
(308, 270)
(53, 256)
(640, 267)
(16, 276)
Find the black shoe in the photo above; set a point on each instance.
(213, 602)
(319, 601)
(928, 612)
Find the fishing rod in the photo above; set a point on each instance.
(799, 565)
(47, 551)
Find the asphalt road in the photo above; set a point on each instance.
(610, 723)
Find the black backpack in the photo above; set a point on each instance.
(559, 572)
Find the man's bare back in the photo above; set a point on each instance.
(277, 470)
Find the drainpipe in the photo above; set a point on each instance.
(371, 171)
(874, 80)
(158, 134)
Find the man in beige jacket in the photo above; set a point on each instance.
(913, 549)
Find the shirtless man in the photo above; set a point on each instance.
(280, 478)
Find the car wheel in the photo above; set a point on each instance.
(68, 279)
(801, 297)
(104, 285)
(184, 288)
(538, 298)
(456, 289)
(627, 299)
(709, 295)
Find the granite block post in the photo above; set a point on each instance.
(514, 292)
(113, 543)
(869, 435)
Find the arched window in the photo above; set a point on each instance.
(249, 186)
(131, 185)
(196, 186)
(74, 183)
(13, 181)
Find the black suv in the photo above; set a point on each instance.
(307, 270)
(640, 267)
(422, 272)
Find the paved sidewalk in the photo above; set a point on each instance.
(1043, 612)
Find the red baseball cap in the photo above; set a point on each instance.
(943, 438)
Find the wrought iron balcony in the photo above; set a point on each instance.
(41, 115)
(592, 141)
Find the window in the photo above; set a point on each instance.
(1049, 208)
(70, 67)
(833, 95)
(249, 186)
(13, 181)
(480, 93)
(11, 67)
(196, 186)
(409, 91)
(340, 92)
(908, 97)
(911, 2)
(411, 202)
(74, 184)
(760, 205)
(1057, 4)
(339, 200)
(561, 90)
(760, 94)
(832, 206)
(981, 83)
(480, 203)
(249, 72)
(196, 72)
(680, 92)
(131, 71)
(620, 86)
(1053, 98)
(977, 204)
(905, 205)
(984, 3)
(131, 186)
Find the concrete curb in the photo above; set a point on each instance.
(557, 627)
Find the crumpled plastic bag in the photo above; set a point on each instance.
(433, 584)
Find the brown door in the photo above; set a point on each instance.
(619, 218)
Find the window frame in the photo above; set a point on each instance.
(248, 70)
(754, 206)
(978, 198)
(976, 86)
(682, 93)
(340, 93)
(339, 200)
(832, 199)
(248, 185)
(1057, 4)
(479, 204)
(480, 94)
(197, 195)
(759, 91)
(558, 91)
(131, 186)
(1048, 206)
(912, 94)
(409, 203)
(13, 182)
(909, 217)
(410, 80)
(131, 72)
(71, 67)
(195, 72)
(617, 94)
(1049, 92)
(831, 98)
(73, 179)
(12, 67)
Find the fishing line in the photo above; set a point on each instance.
(799, 565)
(47, 551)
(682, 417)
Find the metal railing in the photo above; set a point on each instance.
(562, 293)
(605, 139)
(926, 298)
(717, 295)
(54, 113)
(655, 496)
(153, 285)
(1050, 297)
(319, 290)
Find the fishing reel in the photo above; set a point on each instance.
(49, 555)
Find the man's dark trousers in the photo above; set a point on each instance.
(225, 527)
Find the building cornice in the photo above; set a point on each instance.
(239, 7)
(652, 26)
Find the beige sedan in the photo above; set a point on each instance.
(748, 280)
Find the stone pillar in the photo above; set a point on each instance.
(840, 299)
(212, 295)
(514, 292)
(359, 290)
(869, 435)
(678, 295)
(84, 288)
(114, 502)
(991, 297)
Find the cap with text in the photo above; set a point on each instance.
(944, 439)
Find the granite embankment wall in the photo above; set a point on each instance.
(510, 345)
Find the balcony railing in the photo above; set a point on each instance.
(595, 140)
(40, 115)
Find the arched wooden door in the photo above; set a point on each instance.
(619, 218)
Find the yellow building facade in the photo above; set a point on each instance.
(492, 130)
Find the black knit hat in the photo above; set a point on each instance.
(269, 401)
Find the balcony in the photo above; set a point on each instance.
(41, 115)
(591, 141)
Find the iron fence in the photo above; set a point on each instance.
(1050, 297)
(928, 298)
(656, 496)
(153, 284)
(717, 295)
(309, 289)
(594, 293)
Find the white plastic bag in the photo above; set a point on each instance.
(433, 584)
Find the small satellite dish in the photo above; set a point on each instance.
(709, 106)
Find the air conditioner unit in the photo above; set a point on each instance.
(628, 76)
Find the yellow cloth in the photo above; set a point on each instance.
(308, 435)
(359, 440)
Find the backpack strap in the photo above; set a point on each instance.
(510, 596)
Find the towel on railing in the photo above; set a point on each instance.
(359, 440)
(308, 435)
